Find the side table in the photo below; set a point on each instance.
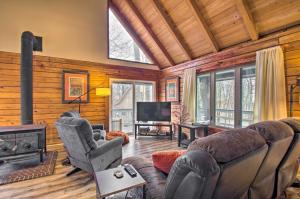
(192, 129)
(108, 184)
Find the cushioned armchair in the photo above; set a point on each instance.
(98, 129)
(84, 152)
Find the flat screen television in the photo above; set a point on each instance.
(154, 111)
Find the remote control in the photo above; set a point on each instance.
(130, 170)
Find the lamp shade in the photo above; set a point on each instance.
(102, 91)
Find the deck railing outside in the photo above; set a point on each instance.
(225, 117)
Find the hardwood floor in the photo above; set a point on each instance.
(81, 185)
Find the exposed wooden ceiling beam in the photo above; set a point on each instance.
(205, 29)
(132, 32)
(249, 23)
(150, 32)
(172, 29)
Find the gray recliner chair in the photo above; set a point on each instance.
(278, 136)
(84, 152)
(98, 129)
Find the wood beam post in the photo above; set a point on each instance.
(204, 27)
(249, 23)
(150, 32)
(172, 29)
(132, 32)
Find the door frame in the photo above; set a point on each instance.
(128, 81)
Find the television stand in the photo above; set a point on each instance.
(138, 125)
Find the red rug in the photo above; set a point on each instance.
(21, 170)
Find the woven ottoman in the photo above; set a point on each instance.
(113, 134)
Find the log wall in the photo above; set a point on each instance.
(47, 83)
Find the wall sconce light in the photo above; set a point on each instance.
(292, 88)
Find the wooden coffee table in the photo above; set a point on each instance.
(108, 184)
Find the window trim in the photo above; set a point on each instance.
(107, 41)
(237, 94)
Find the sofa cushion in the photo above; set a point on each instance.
(272, 131)
(163, 160)
(155, 179)
(241, 141)
(293, 123)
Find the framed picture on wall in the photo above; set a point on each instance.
(172, 89)
(75, 83)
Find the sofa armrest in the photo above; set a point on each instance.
(107, 146)
(195, 167)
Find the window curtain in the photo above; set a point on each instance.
(189, 93)
(270, 92)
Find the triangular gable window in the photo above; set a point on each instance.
(121, 44)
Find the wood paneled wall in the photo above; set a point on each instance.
(47, 83)
(244, 53)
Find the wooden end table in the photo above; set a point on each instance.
(108, 184)
(192, 129)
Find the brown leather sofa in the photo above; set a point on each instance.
(257, 162)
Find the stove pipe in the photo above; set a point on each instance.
(28, 43)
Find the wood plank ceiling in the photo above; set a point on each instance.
(176, 31)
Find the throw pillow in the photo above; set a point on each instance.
(163, 160)
(113, 134)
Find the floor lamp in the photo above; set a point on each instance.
(99, 92)
(292, 88)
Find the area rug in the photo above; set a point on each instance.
(26, 169)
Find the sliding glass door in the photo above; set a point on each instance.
(124, 96)
(122, 106)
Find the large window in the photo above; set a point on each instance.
(121, 44)
(224, 111)
(248, 95)
(226, 98)
(203, 97)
